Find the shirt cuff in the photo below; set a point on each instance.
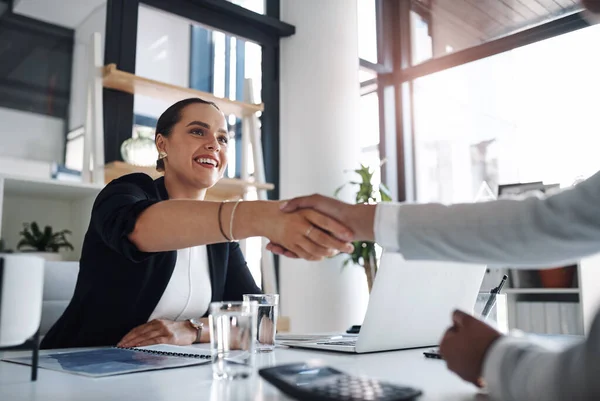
(492, 366)
(386, 226)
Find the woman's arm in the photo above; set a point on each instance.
(177, 224)
(134, 224)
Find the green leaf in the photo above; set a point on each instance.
(338, 190)
(28, 237)
(386, 196)
(35, 229)
(23, 243)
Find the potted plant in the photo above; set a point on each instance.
(44, 243)
(365, 252)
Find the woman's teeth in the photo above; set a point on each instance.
(203, 160)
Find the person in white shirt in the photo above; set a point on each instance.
(523, 233)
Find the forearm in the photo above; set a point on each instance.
(531, 232)
(516, 369)
(177, 224)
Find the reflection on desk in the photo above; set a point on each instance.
(195, 383)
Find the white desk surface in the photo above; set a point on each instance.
(195, 383)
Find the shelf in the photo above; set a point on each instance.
(542, 291)
(48, 188)
(225, 189)
(130, 83)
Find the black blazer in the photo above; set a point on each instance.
(119, 286)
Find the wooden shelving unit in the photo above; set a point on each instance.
(123, 81)
(225, 189)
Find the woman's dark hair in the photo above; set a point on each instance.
(171, 116)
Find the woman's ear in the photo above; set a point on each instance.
(161, 143)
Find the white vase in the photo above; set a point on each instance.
(47, 256)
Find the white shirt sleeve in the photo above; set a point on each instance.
(517, 368)
(386, 229)
(532, 232)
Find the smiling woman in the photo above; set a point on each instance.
(156, 254)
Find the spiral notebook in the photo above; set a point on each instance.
(103, 362)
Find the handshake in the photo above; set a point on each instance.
(315, 227)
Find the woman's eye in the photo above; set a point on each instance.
(224, 140)
(197, 132)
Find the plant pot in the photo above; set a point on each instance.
(561, 277)
(47, 256)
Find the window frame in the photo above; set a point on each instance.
(396, 39)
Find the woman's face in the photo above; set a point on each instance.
(197, 146)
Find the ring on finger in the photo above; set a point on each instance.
(308, 231)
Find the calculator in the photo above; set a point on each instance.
(316, 382)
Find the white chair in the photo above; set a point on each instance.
(21, 287)
(59, 284)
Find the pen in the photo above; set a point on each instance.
(492, 299)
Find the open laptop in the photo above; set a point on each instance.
(410, 305)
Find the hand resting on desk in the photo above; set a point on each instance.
(162, 331)
(465, 344)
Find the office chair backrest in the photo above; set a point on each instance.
(59, 284)
(21, 287)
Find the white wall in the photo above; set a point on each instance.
(319, 141)
(163, 54)
(67, 13)
(32, 136)
(95, 22)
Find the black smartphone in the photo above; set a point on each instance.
(433, 353)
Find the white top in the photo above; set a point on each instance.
(189, 291)
(523, 234)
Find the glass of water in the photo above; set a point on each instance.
(268, 305)
(232, 334)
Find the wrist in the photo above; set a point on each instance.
(198, 328)
(360, 219)
(253, 218)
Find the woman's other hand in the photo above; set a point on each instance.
(160, 331)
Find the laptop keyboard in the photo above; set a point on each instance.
(347, 343)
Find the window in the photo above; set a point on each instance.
(258, 6)
(367, 30)
(525, 115)
(369, 134)
(172, 49)
(369, 100)
(441, 27)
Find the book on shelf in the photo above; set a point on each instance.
(547, 317)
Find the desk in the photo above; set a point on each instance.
(195, 383)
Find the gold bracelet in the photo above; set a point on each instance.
(221, 222)
(232, 238)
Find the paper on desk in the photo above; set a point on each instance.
(176, 349)
(113, 361)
